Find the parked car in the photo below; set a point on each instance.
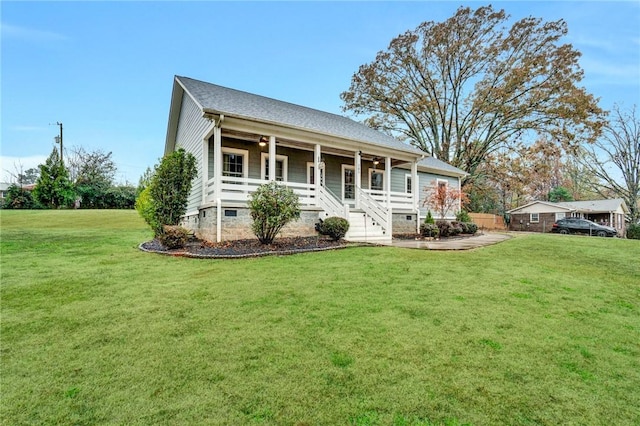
(574, 225)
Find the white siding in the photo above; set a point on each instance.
(191, 129)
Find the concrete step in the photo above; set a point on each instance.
(369, 239)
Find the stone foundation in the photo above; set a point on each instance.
(404, 223)
(236, 224)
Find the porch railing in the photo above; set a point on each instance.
(374, 209)
(235, 189)
(399, 200)
(329, 202)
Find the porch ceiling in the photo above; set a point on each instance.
(290, 143)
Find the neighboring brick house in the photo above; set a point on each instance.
(539, 216)
(337, 166)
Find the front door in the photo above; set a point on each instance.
(348, 183)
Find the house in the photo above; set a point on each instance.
(4, 188)
(337, 166)
(539, 216)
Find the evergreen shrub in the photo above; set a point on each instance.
(335, 227)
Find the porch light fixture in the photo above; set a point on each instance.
(376, 161)
(262, 141)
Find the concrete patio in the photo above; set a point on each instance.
(481, 240)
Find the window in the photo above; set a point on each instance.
(281, 167)
(407, 183)
(376, 180)
(534, 217)
(560, 216)
(348, 182)
(234, 162)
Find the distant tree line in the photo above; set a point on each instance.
(86, 181)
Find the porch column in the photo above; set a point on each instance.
(204, 169)
(358, 173)
(317, 158)
(415, 192)
(272, 158)
(204, 165)
(217, 158)
(611, 219)
(387, 180)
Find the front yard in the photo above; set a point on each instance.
(540, 329)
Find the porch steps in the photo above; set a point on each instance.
(362, 228)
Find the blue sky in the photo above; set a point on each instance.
(105, 69)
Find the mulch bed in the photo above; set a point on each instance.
(246, 248)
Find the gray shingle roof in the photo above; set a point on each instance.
(435, 164)
(595, 205)
(231, 102)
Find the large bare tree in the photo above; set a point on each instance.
(615, 159)
(462, 88)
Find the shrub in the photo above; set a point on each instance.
(272, 206)
(633, 231)
(429, 218)
(472, 228)
(429, 230)
(146, 209)
(455, 229)
(461, 225)
(173, 237)
(19, 198)
(335, 227)
(444, 228)
(463, 216)
(170, 186)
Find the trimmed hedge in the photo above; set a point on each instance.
(335, 227)
(451, 229)
(429, 230)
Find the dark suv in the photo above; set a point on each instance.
(573, 225)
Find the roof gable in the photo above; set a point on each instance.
(552, 207)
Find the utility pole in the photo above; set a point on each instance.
(59, 140)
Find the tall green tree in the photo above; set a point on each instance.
(53, 188)
(462, 88)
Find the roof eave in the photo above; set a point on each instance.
(390, 149)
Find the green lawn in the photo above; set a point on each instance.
(541, 329)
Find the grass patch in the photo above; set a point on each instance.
(540, 329)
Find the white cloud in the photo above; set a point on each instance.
(30, 34)
(10, 165)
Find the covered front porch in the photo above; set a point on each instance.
(364, 185)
